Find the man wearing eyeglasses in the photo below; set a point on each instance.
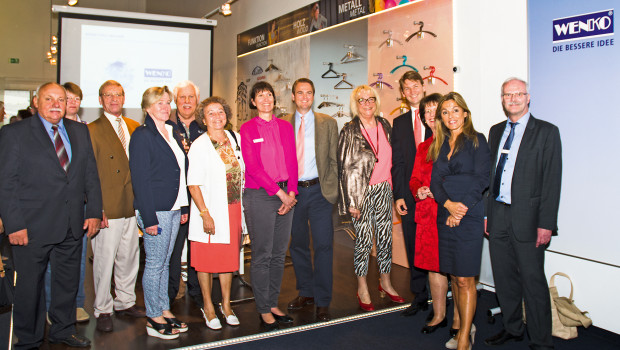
(522, 210)
(408, 133)
(115, 248)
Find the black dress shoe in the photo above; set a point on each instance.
(300, 302)
(414, 308)
(267, 327)
(502, 337)
(322, 314)
(430, 329)
(284, 319)
(104, 323)
(74, 340)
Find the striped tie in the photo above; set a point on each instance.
(120, 132)
(61, 152)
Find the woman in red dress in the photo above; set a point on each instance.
(426, 245)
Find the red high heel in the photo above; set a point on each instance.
(365, 307)
(395, 298)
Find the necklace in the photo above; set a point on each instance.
(372, 146)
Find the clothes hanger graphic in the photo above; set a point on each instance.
(330, 72)
(389, 41)
(379, 83)
(431, 76)
(420, 32)
(404, 64)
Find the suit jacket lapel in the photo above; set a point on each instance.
(526, 141)
(319, 127)
(75, 147)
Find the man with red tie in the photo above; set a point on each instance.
(408, 132)
(50, 196)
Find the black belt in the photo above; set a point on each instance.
(308, 183)
(282, 184)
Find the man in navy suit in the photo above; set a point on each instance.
(522, 211)
(49, 173)
(407, 134)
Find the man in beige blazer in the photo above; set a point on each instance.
(317, 143)
(115, 248)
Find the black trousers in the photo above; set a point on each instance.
(519, 275)
(419, 277)
(193, 287)
(29, 303)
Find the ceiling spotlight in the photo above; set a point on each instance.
(49, 55)
(54, 40)
(225, 9)
(54, 49)
(72, 2)
(53, 61)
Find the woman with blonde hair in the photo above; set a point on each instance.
(158, 165)
(460, 176)
(365, 186)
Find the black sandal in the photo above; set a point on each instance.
(176, 324)
(153, 329)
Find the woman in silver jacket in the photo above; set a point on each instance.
(365, 185)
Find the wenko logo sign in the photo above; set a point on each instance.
(583, 26)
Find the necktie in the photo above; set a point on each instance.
(61, 152)
(300, 147)
(120, 132)
(417, 129)
(502, 159)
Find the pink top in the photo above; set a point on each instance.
(268, 149)
(382, 170)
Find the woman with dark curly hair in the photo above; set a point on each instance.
(215, 181)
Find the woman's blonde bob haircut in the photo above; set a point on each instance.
(355, 95)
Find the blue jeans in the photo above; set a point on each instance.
(158, 250)
(79, 299)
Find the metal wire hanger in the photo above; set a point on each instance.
(389, 41)
(343, 84)
(327, 75)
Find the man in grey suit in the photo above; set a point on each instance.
(316, 142)
(522, 211)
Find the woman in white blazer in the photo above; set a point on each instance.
(215, 180)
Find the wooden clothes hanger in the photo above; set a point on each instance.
(343, 84)
(271, 66)
(404, 64)
(420, 32)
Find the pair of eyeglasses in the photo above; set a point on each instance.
(366, 100)
(113, 95)
(514, 94)
(76, 99)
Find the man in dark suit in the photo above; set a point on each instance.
(49, 172)
(317, 143)
(116, 248)
(407, 134)
(522, 211)
(186, 98)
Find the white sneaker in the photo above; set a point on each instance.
(214, 323)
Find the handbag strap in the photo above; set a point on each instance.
(552, 282)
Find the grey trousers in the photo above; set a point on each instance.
(269, 235)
